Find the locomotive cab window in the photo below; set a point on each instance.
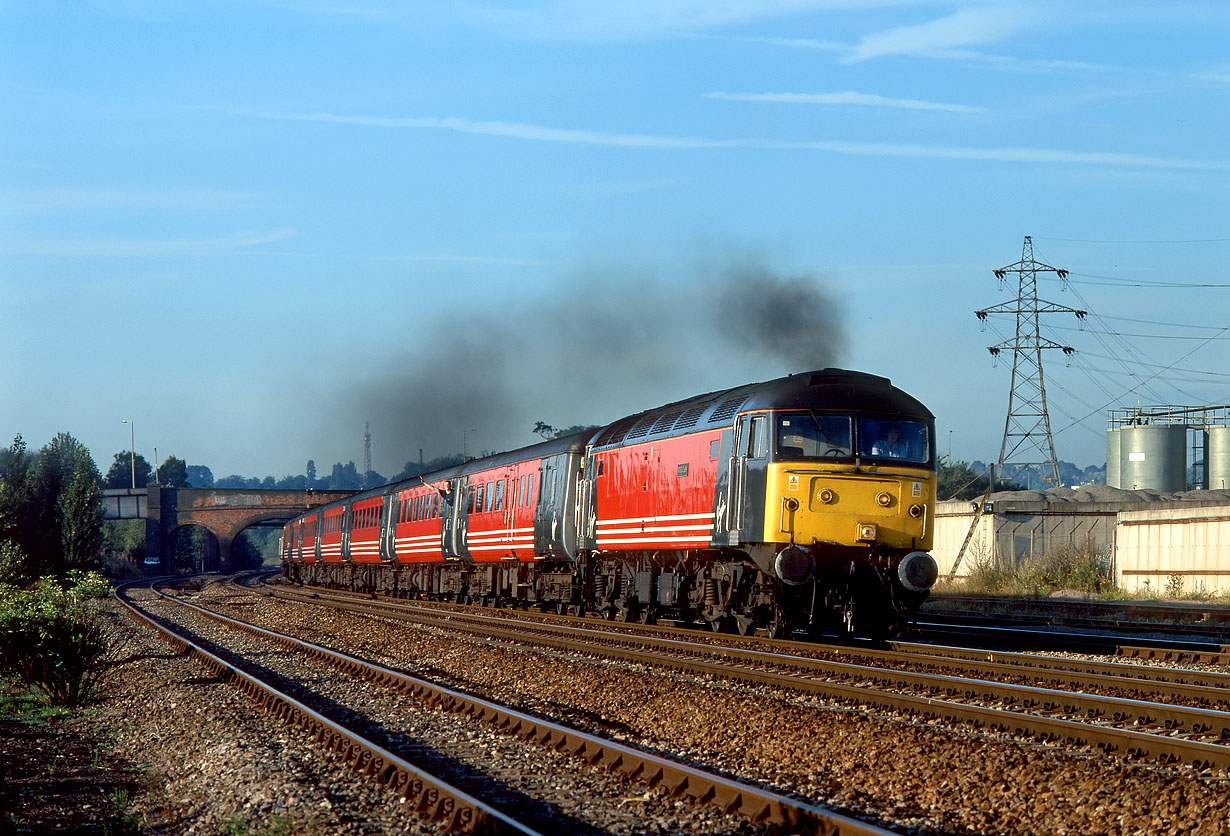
(895, 439)
(807, 435)
(756, 445)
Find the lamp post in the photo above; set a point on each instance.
(464, 455)
(132, 451)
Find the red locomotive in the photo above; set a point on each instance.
(805, 502)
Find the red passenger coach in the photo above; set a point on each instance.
(308, 538)
(417, 523)
(500, 517)
(331, 535)
(365, 531)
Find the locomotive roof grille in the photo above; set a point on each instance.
(691, 416)
(665, 420)
(642, 426)
(616, 432)
(728, 408)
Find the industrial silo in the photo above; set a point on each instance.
(1217, 457)
(1112, 457)
(1152, 457)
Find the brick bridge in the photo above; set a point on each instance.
(224, 512)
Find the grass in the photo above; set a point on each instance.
(55, 775)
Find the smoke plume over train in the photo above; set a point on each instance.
(600, 349)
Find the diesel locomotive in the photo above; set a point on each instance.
(801, 503)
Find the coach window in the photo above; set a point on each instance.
(499, 496)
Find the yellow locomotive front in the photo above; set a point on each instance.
(849, 502)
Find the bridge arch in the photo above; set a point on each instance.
(224, 512)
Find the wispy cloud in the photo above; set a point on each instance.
(963, 28)
(844, 98)
(601, 19)
(516, 130)
(458, 258)
(129, 248)
(61, 198)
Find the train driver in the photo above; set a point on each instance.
(891, 445)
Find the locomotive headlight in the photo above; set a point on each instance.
(866, 531)
(883, 499)
(826, 496)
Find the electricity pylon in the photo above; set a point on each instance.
(367, 453)
(1027, 445)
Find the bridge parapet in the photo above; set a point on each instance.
(124, 504)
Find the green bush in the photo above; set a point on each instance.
(53, 638)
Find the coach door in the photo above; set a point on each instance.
(555, 511)
(453, 512)
(505, 494)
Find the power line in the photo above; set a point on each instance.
(1174, 241)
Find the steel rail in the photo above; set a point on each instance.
(1145, 674)
(1111, 739)
(1170, 649)
(433, 798)
(756, 803)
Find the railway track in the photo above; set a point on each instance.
(313, 687)
(1175, 647)
(1158, 715)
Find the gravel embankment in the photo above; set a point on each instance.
(223, 760)
(548, 790)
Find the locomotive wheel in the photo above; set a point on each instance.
(745, 625)
(648, 616)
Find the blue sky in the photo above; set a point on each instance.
(250, 227)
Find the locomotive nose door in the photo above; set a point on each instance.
(748, 473)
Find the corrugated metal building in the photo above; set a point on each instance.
(1145, 535)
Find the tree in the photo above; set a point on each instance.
(50, 507)
(81, 514)
(17, 517)
(413, 469)
(200, 476)
(173, 473)
(311, 473)
(961, 480)
(293, 483)
(345, 477)
(544, 429)
(119, 475)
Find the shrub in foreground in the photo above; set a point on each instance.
(52, 637)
